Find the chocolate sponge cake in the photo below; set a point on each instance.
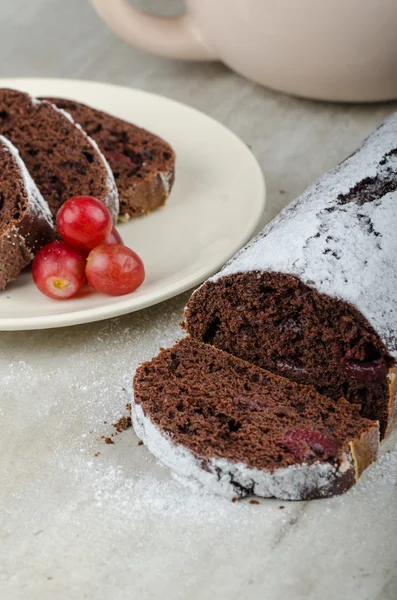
(25, 220)
(60, 157)
(239, 430)
(142, 163)
(314, 296)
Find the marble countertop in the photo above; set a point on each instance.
(83, 519)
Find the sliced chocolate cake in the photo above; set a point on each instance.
(60, 157)
(25, 220)
(142, 163)
(239, 430)
(314, 296)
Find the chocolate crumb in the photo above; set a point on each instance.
(97, 454)
(128, 407)
(281, 507)
(140, 443)
(124, 390)
(123, 424)
(108, 440)
(105, 422)
(234, 499)
(254, 502)
(282, 191)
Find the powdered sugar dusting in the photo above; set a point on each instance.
(63, 111)
(166, 181)
(345, 249)
(37, 204)
(228, 479)
(33, 99)
(112, 199)
(123, 481)
(120, 524)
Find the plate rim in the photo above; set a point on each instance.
(104, 312)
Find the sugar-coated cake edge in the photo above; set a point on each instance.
(112, 198)
(345, 251)
(37, 203)
(35, 229)
(231, 480)
(142, 194)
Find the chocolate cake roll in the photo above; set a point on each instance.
(239, 430)
(25, 220)
(314, 296)
(142, 163)
(60, 157)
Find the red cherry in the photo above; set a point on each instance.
(58, 270)
(84, 222)
(365, 371)
(113, 238)
(114, 269)
(305, 444)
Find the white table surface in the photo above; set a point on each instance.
(116, 525)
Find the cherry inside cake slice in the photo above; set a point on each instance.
(239, 430)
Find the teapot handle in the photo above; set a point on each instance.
(172, 37)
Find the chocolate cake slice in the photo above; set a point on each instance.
(60, 157)
(142, 163)
(25, 220)
(314, 296)
(239, 430)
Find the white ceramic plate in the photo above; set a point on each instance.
(214, 208)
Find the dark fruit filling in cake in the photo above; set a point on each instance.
(278, 323)
(219, 406)
(305, 444)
